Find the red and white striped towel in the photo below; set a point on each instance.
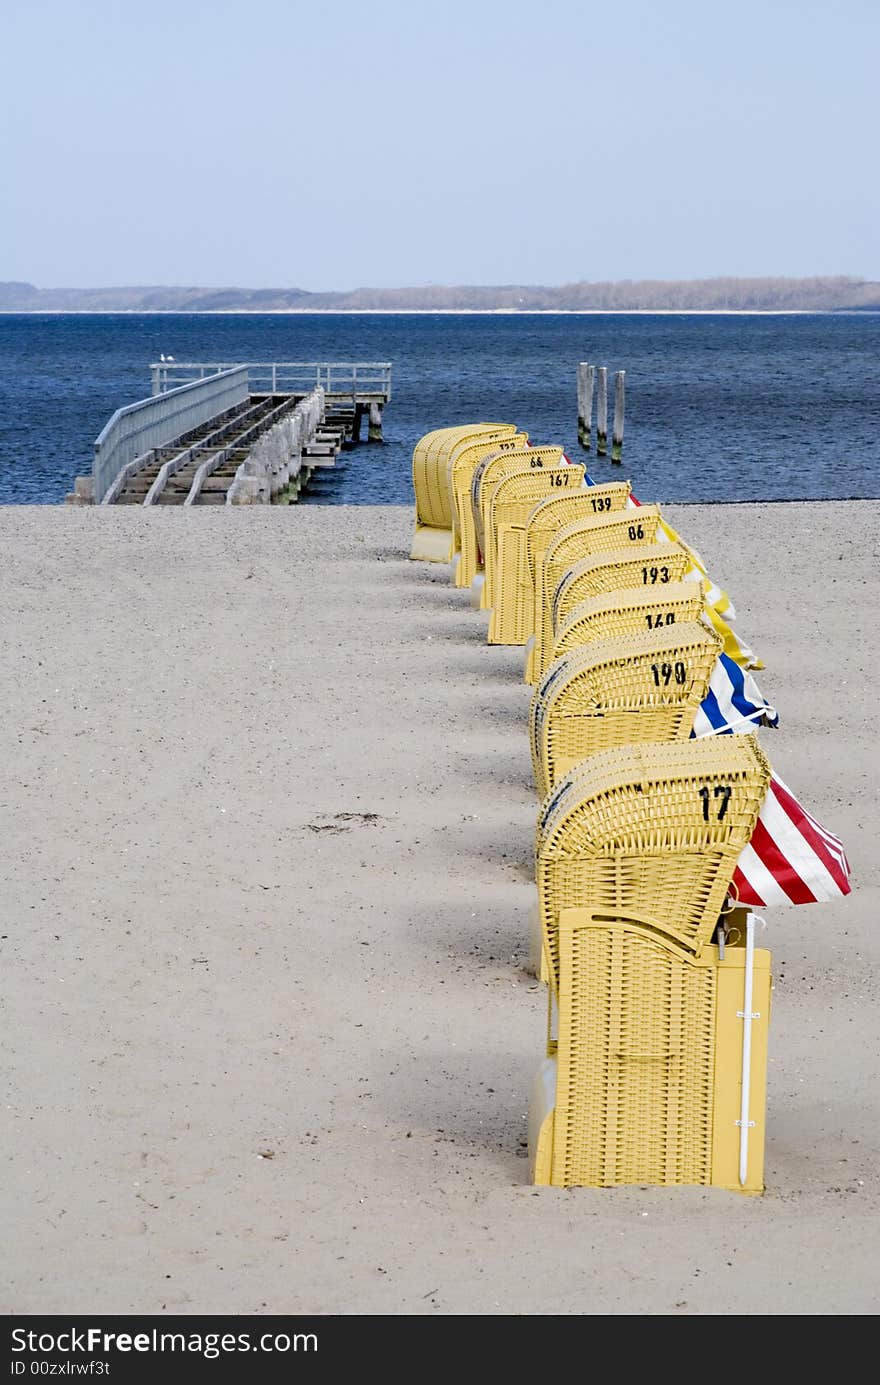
(790, 859)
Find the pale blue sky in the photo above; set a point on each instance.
(342, 145)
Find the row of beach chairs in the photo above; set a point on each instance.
(654, 1070)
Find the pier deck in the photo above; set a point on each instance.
(214, 433)
(352, 389)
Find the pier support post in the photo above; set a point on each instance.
(585, 375)
(619, 401)
(374, 431)
(601, 411)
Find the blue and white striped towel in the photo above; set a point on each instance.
(733, 702)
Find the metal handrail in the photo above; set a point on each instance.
(348, 378)
(135, 430)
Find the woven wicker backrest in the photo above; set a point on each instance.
(557, 511)
(547, 519)
(635, 687)
(512, 499)
(462, 461)
(433, 500)
(508, 588)
(492, 469)
(584, 539)
(628, 608)
(651, 833)
(649, 568)
(602, 534)
(626, 612)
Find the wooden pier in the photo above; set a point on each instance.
(215, 433)
(352, 389)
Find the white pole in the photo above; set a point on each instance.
(747, 1016)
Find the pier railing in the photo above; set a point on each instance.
(136, 429)
(361, 381)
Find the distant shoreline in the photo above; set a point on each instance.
(440, 312)
(718, 295)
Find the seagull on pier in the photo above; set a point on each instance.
(162, 356)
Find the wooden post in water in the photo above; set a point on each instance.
(601, 411)
(374, 429)
(619, 400)
(585, 375)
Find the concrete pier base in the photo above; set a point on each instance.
(83, 492)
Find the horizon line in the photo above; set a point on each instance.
(439, 312)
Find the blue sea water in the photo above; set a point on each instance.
(718, 408)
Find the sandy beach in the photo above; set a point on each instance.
(266, 856)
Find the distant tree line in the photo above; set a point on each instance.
(627, 295)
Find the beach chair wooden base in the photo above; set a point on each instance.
(430, 473)
(431, 545)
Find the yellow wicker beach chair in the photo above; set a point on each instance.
(508, 583)
(650, 833)
(617, 691)
(623, 572)
(651, 1074)
(558, 511)
(630, 611)
(487, 474)
(463, 461)
(587, 538)
(432, 541)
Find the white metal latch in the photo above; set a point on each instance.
(747, 1015)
